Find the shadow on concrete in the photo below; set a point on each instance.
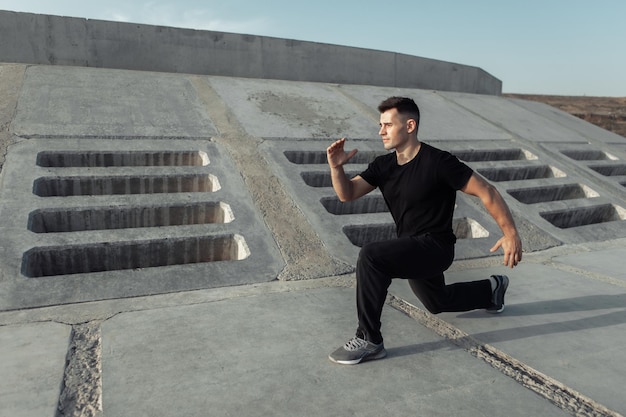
(565, 305)
(568, 305)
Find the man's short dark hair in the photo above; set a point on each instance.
(404, 105)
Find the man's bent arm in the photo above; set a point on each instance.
(345, 188)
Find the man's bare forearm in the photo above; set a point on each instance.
(500, 212)
(341, 183)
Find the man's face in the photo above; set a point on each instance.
(394, 130)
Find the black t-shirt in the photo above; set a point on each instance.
(420, 194)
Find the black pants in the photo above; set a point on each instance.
(421, 260)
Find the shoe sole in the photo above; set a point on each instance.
(379, 355)
(505, 283)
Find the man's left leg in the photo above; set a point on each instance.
(438, 297)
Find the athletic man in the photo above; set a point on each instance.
(419, 184)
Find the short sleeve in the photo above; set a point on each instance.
(454, 172)
(369, 176)
(375, 172)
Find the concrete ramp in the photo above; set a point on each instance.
(123, 183)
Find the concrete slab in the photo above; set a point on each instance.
(608, 263)
(150, 216)
(32, 363)
(88, 102)
(246, 357)
(560, 323)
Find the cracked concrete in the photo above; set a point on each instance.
(549, 388)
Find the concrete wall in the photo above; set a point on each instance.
(42, 39)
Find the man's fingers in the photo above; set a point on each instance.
(511, 256)
(336, 155)
(496, 246)
(336, 146)
(351, 154)
(512, 261)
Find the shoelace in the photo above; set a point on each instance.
(355, 344)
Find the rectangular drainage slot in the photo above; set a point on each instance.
(463, 228)
(121, 159)
(552, 193)
(113, 256)
(477, 155)
(363, 234)
(319, 157)
(609, 170)
(565, 219)
(115, 185)
(321, 179)
(521, 173)
(104, 218)
(587, 155)
(366, 204)
(466, 228)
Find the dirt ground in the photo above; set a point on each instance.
(607, 112)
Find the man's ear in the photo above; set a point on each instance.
(411, 125)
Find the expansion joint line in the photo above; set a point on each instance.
(554, 391)
(81, 393)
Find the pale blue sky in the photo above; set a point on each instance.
(562, 47)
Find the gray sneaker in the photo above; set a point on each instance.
(358, 350)
(498, 294)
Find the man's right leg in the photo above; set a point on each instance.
(372, 284)
(378, 263)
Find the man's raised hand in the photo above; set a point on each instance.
(336, 155)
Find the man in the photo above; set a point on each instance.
(419, 184)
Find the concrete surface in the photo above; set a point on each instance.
(132, 319)
(32, 366)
